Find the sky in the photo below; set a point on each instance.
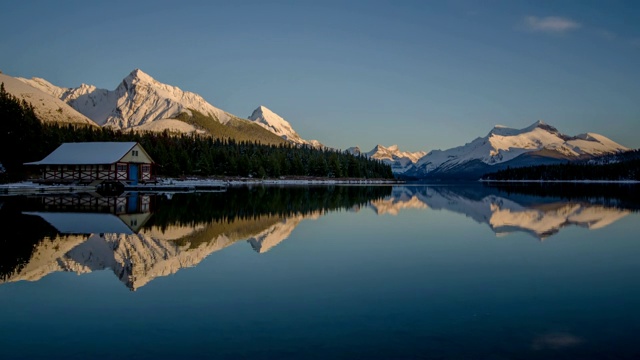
(420, 74)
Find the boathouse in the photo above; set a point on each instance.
(96, 162)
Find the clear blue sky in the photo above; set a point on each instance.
(420, 74)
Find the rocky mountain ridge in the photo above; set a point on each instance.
(279, 126)
(142, 103)
(536, 144)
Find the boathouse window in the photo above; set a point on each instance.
(122, 168)
(146, 168)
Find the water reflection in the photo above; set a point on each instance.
(538, 210)
(141, 237)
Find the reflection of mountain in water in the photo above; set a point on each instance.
(154, 252)
(275, 234)
(506, 211)
(138, 246)
(402, 197)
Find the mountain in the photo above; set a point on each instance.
(47, 107)
(279, 126)
(504, 147)
(400, 161)
(354, 150)
(140, 100)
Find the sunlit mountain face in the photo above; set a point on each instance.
(142, 237)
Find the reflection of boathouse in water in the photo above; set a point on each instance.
(96, 214)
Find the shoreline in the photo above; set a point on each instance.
(282, 181)
(186, 184)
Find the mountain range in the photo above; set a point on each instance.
(503, 147)
(142, 103)
(400, 161)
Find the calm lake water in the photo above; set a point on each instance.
(402, 272)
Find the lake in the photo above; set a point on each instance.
(354, 272)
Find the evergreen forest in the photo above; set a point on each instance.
(621, 167)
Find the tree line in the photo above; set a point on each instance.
(619, 195)
(24, 138)
(627, 167)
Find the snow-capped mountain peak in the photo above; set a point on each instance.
(273, 122)
(138, 99)
(504, 144)
(501, 130)
(400, 161)
(143, 103)
(354, 150)
(139, 75)
(393, 153)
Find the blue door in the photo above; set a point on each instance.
(133, 174)
(132, 203)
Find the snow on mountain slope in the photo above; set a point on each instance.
(170, 125)
(48, 108)
(279, 126)
(400, 161)
(96, 104)
(503, 144)
(393, 152)
(354, 150)
(139, 99)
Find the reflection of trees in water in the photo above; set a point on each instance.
(18, 241)
(254, 202)
(238, 213)
(622, 196)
